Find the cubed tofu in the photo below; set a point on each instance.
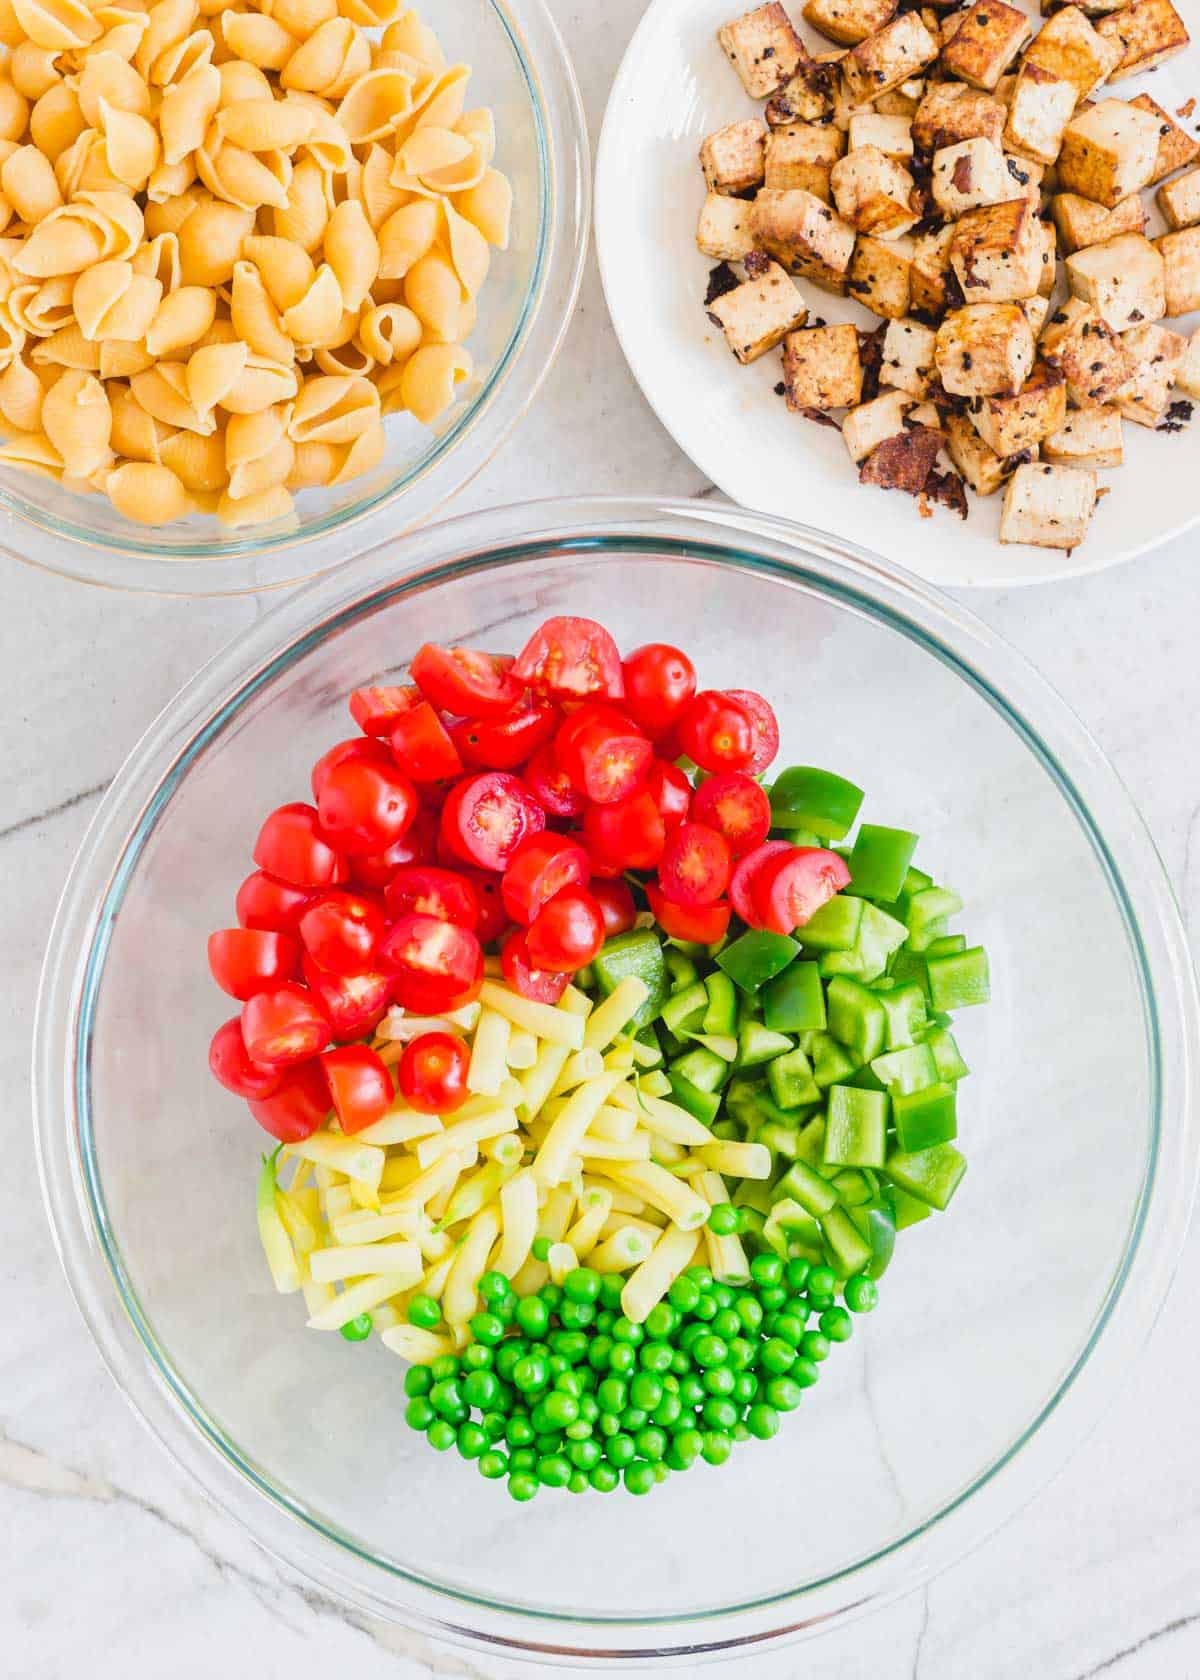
(997, 252)
(1071, 48)
(1049, 507)
(984, 470)
(1038, 114)
(891, 135)
(732, 157)
(1091, 357)
(801, 155)
(985, 43)
(1080, 222)
(759, 314)
(1187, 374)
(1124, 278)
(1179, 200)
(763, 48)
(1035, 311)
(969, 174)
(822, 369)
(1147, 32)
(849, 21)
(1108, 151)
(891, 56)
(933, 284)
(1157, 353)
(1049, 259)
(880, 275)
(926, 414)
(984, 349)
(908, 357)
(950, 112)
(805, 235)
(874, 194)
(1176, 147)
(871, 424)
(1089, 437)
(902, 101)
(808, 95)
(724, 231)
(1008, 424)
(1180, 253)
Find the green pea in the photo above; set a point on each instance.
(796, 1274)
(772, 1295)
(611, 1285)
(494, 1425)
(622, 1358)
(578, 1483)
(418, 1379)
(684, 1293)
(580, 1430)
(523, 1459)
(777, 1355)
(706, 1309)
(805, 1372)
(741, 1433)
(723, 1219)
(553, 1471)
(718, 1414)
(651, 1442)
(519, 1432)
(710, 1350)
(605, 1319)
(727, 1324)
(784, 1394)
(620, 1450)
(661, 1321)
(722, 1295)
(749, 1311)
(446, 1397)
(583, 1284)
(766, 1268)
(476, 1357)
(493, 1286)
(505, 1308)
(625, 1330)
(719, 1381)
(358, 1329)
(585, 1455)
(612, 1395)
(609, 1424)
(441, 1435)
(508, 1358)
(560, 1408)
(577, 1315)
(717, 1447)
(837, 1324)
(814, 1346)
(645, 1391)
(796, 1306)
(700, 1275)
(522, 1486)
(540, 1248)
(822, 1280)
(762, 1421)
(662, 1471)
(419, 1414)
(444, 1366)
(486, 1327)
(685, 1449)
(531, 1373)
(533, 1316)
(745, 1387)
(633, 1417)
(668, 1411)
(639, 1477)
(861, 1294)
(692, 1391)
(589, 1408)
(472, 1440)
(655, 1357)
(598, 1352)
(551, 1296)
(424, 1312)
(569, 1382)
(691, 1334)
(604, 1478)
(680, 1362)
(480, 1389)
(493, 1465)
(789, 1329)
(742, 1353)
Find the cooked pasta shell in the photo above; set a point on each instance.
(84, 167)
(136, 435)
(21, 396)
(170, 23)
(122, 361)
(169, 180)
(222, 331)
(411, 36)
(170, 215)
(248, 179)
(254, 316)
(406, 236)
(314, 464)
(28, 183)
(113, 302)
(159, 258)
(11, 32)
(163, 392)
(34, 452)
(187, 109)
(315, 318)
(250, 473)
(303, 18)
(56, 121)
(286, 271)
(242, 81)
(429, 377)
(375, 103)
(333, 409)
(105, 76)
(181, 319)
(147, 492)
(57, 23)
(266, 125)
(379, 196)
(262, 385)
(330, 61)
(389, 333)
(115, 214)
(258, 40)
(429, 149)
(351, 250)
(441, 101)
(197, 462)
(468, 250)
(363, 454)
(371, 14)
(349, 357)
(12, 337)
(131, 147)
(77, 420)
(212, 372)
(488, 205)
(123, 31)
(434, 294)
(307, 213)
(62, 244)
(258, 509)
(328, 145)
(182, 57)
(14, 110)
(34, 70)
(210, 242)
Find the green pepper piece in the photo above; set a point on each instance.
(804, 797)
(878, 936)
(758, 1044)
(835, 926)
(959, 980)
(791, 1082)
(682, 970)
(701, 1068)
(703, 1105)
(949, 1063)
(808, 1188)
(779, 1137)
(877, 1223)
(720, 1018)
(811, 1144)
(908, 1209)
(924, 1118)
(880, 859)
(927, 915)
(754, 1193)
(755, 958)
(639, 953)
(915, 881)
(931, 1175)
(864, 1079)
(946, 945)
(831, 1063)
(795, 1000)
(718, 1043)
(786, 1221)
(904, 1005)
(856, 1017)
(853, 1187)
(849, 1252)
(856, 1127)
(684, 1008)
(910, 1069)
(908, 968)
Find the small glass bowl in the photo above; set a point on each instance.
(520, 68)
(1004, 1326)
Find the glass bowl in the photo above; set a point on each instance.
(1004, 1325)
(520, 68)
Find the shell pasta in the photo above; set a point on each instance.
(232, 242)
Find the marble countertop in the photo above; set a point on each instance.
(118, 1568)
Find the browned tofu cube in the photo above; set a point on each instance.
(997, 252)
(950, 112)
(801, 155)
(891, 56)
(1049, 507)
(1010, 423)
(1089, 437)
(1042, 105)
(849, 21)
(985, 43)
(821, 368)
(984, 470)
(1070, 48)
(874, 194)
(1147, 32)
(759, 314)
(805, 235)
(1108, 151)
(1124, 278)
(732, 158)
(933, 279)
(1091, 357)
(871, 424)
(880, 275)
(1180, 253)
(984, 349)
(1080, 222)
(1187, 374)
(902, 101)
(1179, 200)
(724, 231)
(907, 365)
(1176, 147)
(808, 95)
(970, 174)
(763, 48)
(1157, 353)
(892, 135)
(1035, 311)
(1049, 260)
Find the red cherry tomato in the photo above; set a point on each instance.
(298, 1107)
(486, 817)
(737, 807)
(437, 965)
(670, 790)
(616, 906)
(493, 917)
(504, 743)
(628, 835)
(359, 1084)
(742, 880)
(284, 1025)
(245, 960)
(571, 659)
(433, 1073)
(465, 682)
(354, 1003)
(359, 746)
(604, 754)
(421, 746)
(340, 931)
(271, 905)
(659, 682)
(703, 923)
(695, 865)
(792, 888)
(230, 1063)
(291, 846)
(375, 710)
(425, 890)
(716, 732)
(542, 866)
(766, 727)
(365, 807)
(551, 786)
(416, 845)
(567, 933)
(536, 983)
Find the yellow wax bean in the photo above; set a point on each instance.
(542, 1019)
(360, 1298)
(595, 1207)
(518, 1220)
(419, 1347)
(460, 1299)
(662, 1190)
(553, 1219)
(400, 1125)
(739, 1160)
(649, 1283)
(488, 1067)
(726, 1257)
(617, 1010)
(583, 1065)
(466, 1132)
(343, 1154)
(624, 1249)
(522, 1048)
(334, 1265)
(552, 1160)
(668, 1120)
(615, 1124)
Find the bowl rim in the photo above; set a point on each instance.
(866, 584)
(238, 563)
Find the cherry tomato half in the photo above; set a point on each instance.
(359, 1084)
(504, 743)
(425, 890)
(742, 880)
(284, 1025)
(542, 866)
(716, 732)
(365, 807)
(766, 728)
(269, 904)
(792, 887)
(493, 917)
(567, 933)
(551, 786)
(437, 965)
(465, 682)
(571, 659)
(231, 1064)
(375, 710)
(354, 1003)
(340, 931)
(246, 960)
(486, 817)
(703, 923)
(359, 746)
(737, 807)
(604, 754)
(291, 846)
(416, 845)
(659, 682)
(628, 835)
(421, 746)
(433, 1073)
(539, 984)
(670, 790)
(298, 1107)
(616, 906)
(695, 865)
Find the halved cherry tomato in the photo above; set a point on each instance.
(793, 887)
(298, 1107)
(340, 931)
(504, 743)
(375, 710)
(231, 1064)
(486, 817)
(616, 906)
(465, 682)
(659, 682)
(766, 727)
(542, 865)
(536, 983)
(433, 1073)
(493, 917)
(421, 746)
(571, 659)
(437, 965)
(705, 924)
(416, 845)
(246, 960)
(425, 890)
(354, 1003)
(567, 933)
(360, 1085)
(737, 807)
(716, 732)
(670, 790)
(272, 905)
(284, 1025)
(359, 746)
(365, 807)
(604, 754)
(628, 835)
(695, 865)
(551, 786)
(741, 882)
(290, 845)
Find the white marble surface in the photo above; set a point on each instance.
(116, 1568)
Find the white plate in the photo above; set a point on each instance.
(674, 87)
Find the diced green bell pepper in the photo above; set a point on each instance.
(831, 1062)
(758, 1044)
(915, 881)
(946, 1056)
(877, 1223)
(959, 980)
(811, 1145)
(791, 1082)
(849, 1251)
(879, 861)
(925, 1117)
(863, 1079)
(947, 945)
(782, 1138)
(910, 1069)
(703, 1105)
(703, 1069)
(795, 1000)
(907, 1209)
(904, 1006)
(808, 1188)
(684, 1008)
(756, 957)
(804, 797)
(856, 1018)
(835, 926)
(910, 969)
(682, 970)
(753, 1193)
(639, 953)
(878, 936)
(740, 1102)
(854, 1188)
(927, 915)
(856, 1127)
(931, 1175)
(720, 1045)
(721, 1016)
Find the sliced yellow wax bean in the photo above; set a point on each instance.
(344, 1155)
(488, 1067)
(635, 1148)
(623, 1201)
(317, 1296)
(561, 1259)
(626, 1248)
(614, 1124)
(522, 1048)
(583, 1065)
(334, 1265)
(461, 1299)
(553, 1219)
(360, 1298)
(662, 1190)
(617, 1010)
(419, 1347)
(556, 1024)
(739, 1160)
(594, 1208)
(668, 1120)
(518, 1221)
(552, 1161)
(726, 1256)
(400, 1125)
(646, 1287)
(428, 1184)
(296, 1222)
(464, 1133)
(361, 1226)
